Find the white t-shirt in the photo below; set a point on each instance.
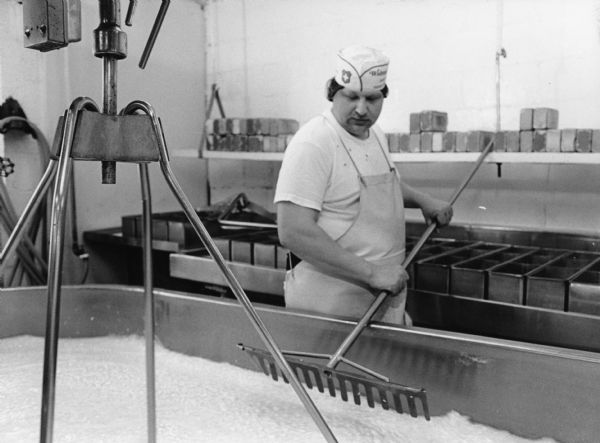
(317, 172)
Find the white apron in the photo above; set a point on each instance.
(377, 234)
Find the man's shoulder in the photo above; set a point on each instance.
(316, 128)
(316, 132)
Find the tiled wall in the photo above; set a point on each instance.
(271, 59)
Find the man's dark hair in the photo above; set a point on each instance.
(333, 87)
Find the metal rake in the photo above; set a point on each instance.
(376, 388)
(389, 395)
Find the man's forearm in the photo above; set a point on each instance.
(414, 198)
(434, 210)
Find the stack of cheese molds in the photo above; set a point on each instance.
(429, 133)
(538, 132)
(250, 134)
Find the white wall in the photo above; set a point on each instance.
(45, 84)
(272, 57)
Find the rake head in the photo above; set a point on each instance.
(389, 395)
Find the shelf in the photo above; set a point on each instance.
(184, 153)
(428, 157)
(231, 155)
(501, 157)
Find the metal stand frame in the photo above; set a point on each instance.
(61, 174)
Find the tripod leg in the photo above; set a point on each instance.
(149, 302)
(57, 231)
(53, 304)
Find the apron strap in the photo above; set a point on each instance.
(392, 167)
(360, 176)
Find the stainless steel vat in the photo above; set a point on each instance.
(530, 390)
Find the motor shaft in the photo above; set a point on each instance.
(110, 45)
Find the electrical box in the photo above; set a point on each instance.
(51, 24)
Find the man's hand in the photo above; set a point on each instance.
(388, 277)
(437, 211)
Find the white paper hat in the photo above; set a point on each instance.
(361, 69)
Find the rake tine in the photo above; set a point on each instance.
(398, 403)
(307, 379)
(383, 399)
(369, 395)
(314, 378)
(263, 365)
(355, 392)
(343, 390)
(300, 371)
(330, 383)
(275, 373)
(318, 381)
(425, 407)
(412, 407)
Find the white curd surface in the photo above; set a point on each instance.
(101, 395)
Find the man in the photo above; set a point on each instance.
(340, 201)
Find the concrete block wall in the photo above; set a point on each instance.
(271, 59)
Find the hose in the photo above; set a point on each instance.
(41, 217)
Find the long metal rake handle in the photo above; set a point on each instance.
(366, 318)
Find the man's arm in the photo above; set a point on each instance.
(299, 232)
(433, 209)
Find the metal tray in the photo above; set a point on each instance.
(548, 287)
(470, 278)
(584, 291)
(432, 247)
(433, 273)
(508, 283)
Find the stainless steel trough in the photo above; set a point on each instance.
(530, 390)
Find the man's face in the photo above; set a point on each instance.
(355, 111)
